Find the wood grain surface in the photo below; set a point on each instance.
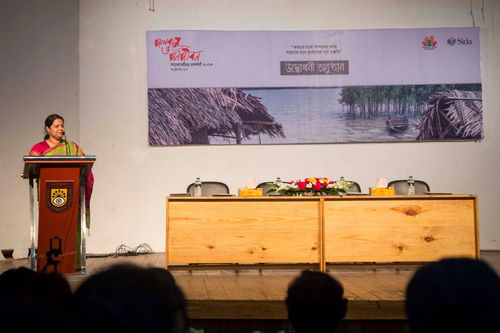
(398, 230)
(244, 232)
(321, 230)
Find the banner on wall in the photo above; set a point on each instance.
(288, 87)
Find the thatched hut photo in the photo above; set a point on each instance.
(452, 115)
(179, 116)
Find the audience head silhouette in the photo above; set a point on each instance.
(128, 298)
(32, 300)
(315, 302)
(454, 295)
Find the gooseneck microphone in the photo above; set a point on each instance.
(65, 142)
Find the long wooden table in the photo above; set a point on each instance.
(319, 231)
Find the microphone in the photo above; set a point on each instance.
(65, 142)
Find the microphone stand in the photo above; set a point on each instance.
(66, 143)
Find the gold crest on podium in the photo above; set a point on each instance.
(59, 196)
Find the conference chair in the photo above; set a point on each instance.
(355, 188)
(401, 186)
(209, 189)
(266, 188)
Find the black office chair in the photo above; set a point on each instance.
(266, 188)
(401, 186)
(209, 189)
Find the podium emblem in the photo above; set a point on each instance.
(59, 196)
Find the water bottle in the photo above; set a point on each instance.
(197, 187)
(342, 179)
(278, 180)
(411, 186)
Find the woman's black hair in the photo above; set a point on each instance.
(49, 121)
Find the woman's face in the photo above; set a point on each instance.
(56, 130)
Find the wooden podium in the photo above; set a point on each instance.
(58, 226)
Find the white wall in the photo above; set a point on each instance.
(38, 76)
(133, 179)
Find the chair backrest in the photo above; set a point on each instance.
(209, 188)
(266, 188)
(401, 186)
(355, 188)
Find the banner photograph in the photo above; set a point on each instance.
(294, 87)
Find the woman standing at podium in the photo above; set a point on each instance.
(54, 144)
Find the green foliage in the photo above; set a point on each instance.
(399, 99)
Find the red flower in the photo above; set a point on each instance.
(317, 186)
(301, 185)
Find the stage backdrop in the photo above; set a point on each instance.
(286, 87)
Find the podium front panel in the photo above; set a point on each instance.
(58, 219)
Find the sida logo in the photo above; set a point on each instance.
(173, 48)
(429, 43)
(452, 41)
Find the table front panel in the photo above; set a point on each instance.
(406, 230)
(243, 231)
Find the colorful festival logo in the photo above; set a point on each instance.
(172, 48)
(429, 43)
(451, 41)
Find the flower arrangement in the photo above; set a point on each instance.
(312, 186)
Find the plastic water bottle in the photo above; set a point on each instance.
(342, 179)
(411, 186)
(197, 187)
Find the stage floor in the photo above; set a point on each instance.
(253, 294)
